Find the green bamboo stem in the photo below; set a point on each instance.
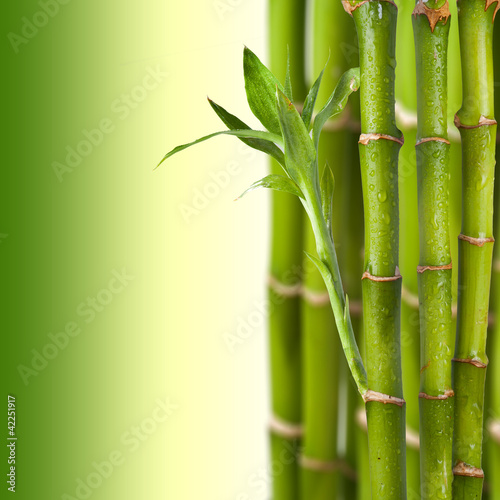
(493, 418)
(431, 29)
(285, 266)
(478, 131)
(376, 27)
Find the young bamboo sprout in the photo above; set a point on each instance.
(292, 139)
(477, 126)
(431, 27)
(285, 336)
(380, 142)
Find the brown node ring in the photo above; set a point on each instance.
(314, 298)
(488, 5)
(286, 430)
(366, 138)
(350, 8)
(432, 139)
(378, 397)
(478, 242)
(463, 469)
(483, 122)
(475, 362)
(422, 269)
(447, 394)
(286, 291)
(368, 276)
(433, 15)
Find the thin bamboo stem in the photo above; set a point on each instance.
(285, 265)
(431, 27)
(379, 148)
(478, 131)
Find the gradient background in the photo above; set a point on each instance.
(195, 278)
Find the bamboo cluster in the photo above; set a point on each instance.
(365, 165)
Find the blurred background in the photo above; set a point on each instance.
(142, 277)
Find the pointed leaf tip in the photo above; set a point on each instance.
(276, 182)
(260, 85)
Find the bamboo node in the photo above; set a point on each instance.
(287, 291)
(447, 394)
(315, 298)
(366, 138)
(422, 269)
(350, 8)
(494, 429)
(488, 5)
(285, 429)
(475, 362)
(378, 397)
(479, 242)
(483, 122)
(432, 139)
(463, 469)
(369, 276)
(318, 465)
(433, 15)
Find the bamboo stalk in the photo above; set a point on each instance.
(320, 461)
(379, 147)
(477, 126)
(431, 29)
(285, 264)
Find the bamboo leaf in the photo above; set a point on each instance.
(327, 187)
(256, 134)
(260, 86)
(234, 123)
(300, 155)
(348, 83)
(278, 183)
(310, 101)
(288, 81)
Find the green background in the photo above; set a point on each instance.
(195, 277)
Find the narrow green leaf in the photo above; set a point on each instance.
(278, 183)
(257, 134)
(348, 83)
(300, 155)
(288, 81)
(260, 86)
(310, 101)
(346, 308)
(327, 187)
(234, 123)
